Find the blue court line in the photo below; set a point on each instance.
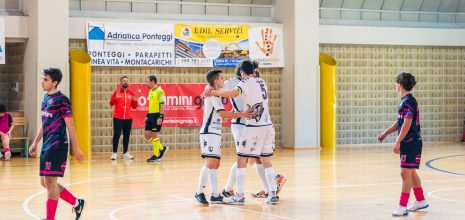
(428, 164)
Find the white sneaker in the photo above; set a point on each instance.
(400, 211)
(113, 156)
(418, 205)
(7, 155)
(128, 156)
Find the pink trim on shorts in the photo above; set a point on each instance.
(51, 172)
(409, 164)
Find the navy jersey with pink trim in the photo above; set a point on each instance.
(408, 108)
(55, 108)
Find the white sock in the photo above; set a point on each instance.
(270, 177)
(204, 173)
(232, 178)
(261, 173)
(214, 182)
(240, 176)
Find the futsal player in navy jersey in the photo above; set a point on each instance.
(56, 118)
(408, 144)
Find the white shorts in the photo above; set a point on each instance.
(257, 142)
(237, 130)
(210, 145)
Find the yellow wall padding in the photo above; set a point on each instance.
(80, 98)
(328, 102)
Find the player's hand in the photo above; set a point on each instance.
(33, 150)
(1, 133)
(246, 114)
(159, 121)
(396, 147)
(382, 136)
(209, 91)
(79, 156)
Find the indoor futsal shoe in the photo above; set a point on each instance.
(400, 211)
(77, 209)
(260, 194)
(227, 194)
(163, 152)
(236, 200)
(272, 200)
(201, 199)
(153, 159)
(220, 199)
(418, 205)
(280, 180)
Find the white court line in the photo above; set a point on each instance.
(114, 211)
(431, 194)
(28, 199)
(245, 210)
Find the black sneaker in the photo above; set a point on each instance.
(227, 194)
(77, 209)
(220, 200)
(201, 199)
(153, 159)
(163, 152)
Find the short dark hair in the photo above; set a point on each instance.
(255, 64)
(213, 75)
(152, 78)
(407, 80)
(257, 73)
(2, 108)
(247, 67)
(237, 71)
(54, 74)
(123, 78)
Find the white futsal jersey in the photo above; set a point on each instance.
(236, 101)
(212, 123)
(254, 93)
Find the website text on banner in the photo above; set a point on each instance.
(183, 107)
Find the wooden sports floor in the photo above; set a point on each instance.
(354, 183)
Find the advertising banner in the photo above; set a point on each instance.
(210, 45)
(130, 44)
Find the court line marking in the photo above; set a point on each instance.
(431, 194)
(428, 164)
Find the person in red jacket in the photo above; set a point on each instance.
(124, 101)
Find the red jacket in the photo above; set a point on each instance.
(123, 104)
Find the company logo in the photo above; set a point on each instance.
(266, 46)
(186, 32)
(96, 33)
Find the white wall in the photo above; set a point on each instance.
(47, 46)
(335, 34)
(300, 81)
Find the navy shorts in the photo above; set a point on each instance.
(410, 154)
(53, 162)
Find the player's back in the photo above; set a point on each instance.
(254, 94)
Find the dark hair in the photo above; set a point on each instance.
(213, 75)
(152, 78)
(123, 78)
(247, 67)
(407, 80)
(257, 73)
(54, 74)
(255, 64)
(2, 108)
(237, 71)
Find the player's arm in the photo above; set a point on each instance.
(33, 147)
(72, 136)
(162, 108)
(404, 129)
(226, 93)
(10, 125)
(388, 131)
(226, 114)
